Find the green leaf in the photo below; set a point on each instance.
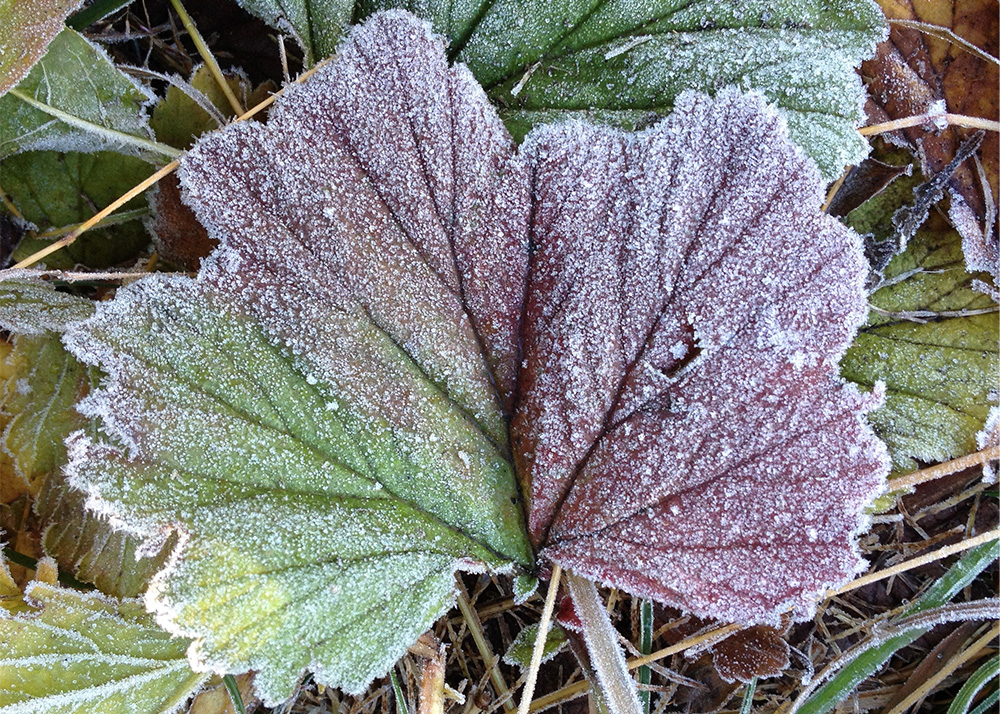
(75, 99)
(55, 190)
(932, 339)
(317, 537)
(869, 661)
(83, 652)
(625, 64)
(40, 398)
(317, 25)
(32, 306)
(178, 120)
(26, 29)
(520, 650)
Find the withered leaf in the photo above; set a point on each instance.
(754, 652)
(405, 311)
(920, 68)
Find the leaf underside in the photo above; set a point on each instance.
(397, 289)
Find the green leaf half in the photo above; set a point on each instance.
(313, 537)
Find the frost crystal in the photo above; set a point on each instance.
(654, 318)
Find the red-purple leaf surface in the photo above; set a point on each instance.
(404, 309)
(681, 425)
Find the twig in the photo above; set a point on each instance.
(916, 562)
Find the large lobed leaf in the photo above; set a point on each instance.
(397, 289)
(680, 410)
(627, 63)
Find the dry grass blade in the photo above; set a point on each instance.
(974, 650)
(949, 120)
(543, 631)
(947, 468)
(916, 562)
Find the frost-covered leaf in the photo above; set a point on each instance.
(520, 650)
(75, 99)
(26, 29)
(56, 190)
(44, 382)
(42, 385)
(11, 597)
(626, 63)
(39, 400)
(681, 428)
(317, 25)
(397, 288)
(83, 652)
(932, 338)
(330, 439)
(30, 305)
(87, 544)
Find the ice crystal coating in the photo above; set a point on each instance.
(681, 425)
(655, 318)
(26, 29)
(83, 652)
(625, 62)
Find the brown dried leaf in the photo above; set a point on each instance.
(914, 69)
(754, 652)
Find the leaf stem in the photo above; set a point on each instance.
(207, 56)
(613, 678)
(111, 135)
(543, 630)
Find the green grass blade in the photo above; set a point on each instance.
(645, 647)
(988, 703)
(969, 690)
(747, 702)
(234, 693)
(869, 661)
(398, 693)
